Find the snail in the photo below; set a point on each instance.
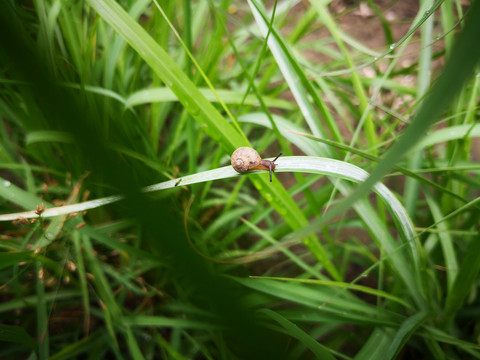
(245, 159)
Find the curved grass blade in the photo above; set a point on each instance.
(306, 164)
(320, 351)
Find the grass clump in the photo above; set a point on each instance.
(364, 245)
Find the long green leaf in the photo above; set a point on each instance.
(16, 334)
(293, 330)
(466, 278)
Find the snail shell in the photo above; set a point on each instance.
(245, 159)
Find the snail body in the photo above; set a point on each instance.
(245, 159)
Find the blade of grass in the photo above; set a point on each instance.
(386, 343)
(132, 344)
(295, 259)
(467, 277)
(111, 309)
(406, 330)
(16, 334)
(411, 192)
(446, 242)
(368, 156)
(162, 321)
(448, 134)
(320, 351)
(82, 277)
(342, 285)
(10, 258)
(346, 307)
(228, 97)
(43, 336)
(82, 346)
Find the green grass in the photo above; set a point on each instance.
(120, 117)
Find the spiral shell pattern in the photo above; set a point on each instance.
(244, 159)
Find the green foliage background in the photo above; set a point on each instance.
(103, 97)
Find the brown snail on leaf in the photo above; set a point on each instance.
(245, 159)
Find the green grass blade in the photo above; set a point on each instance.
(368, 156)
(467, 277)
(449, 133)
(83, 346)
(135, 351)
(446, 242)
(16, 334)
(162, 321)
(341, 285)
(415, 162)
(112, 310)
(43, 335)
(228, 97)
(376, 345)
(323, 300)
(406, 330)
(320, 351)
(82, 276)
(386, 343)
(10, 258)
